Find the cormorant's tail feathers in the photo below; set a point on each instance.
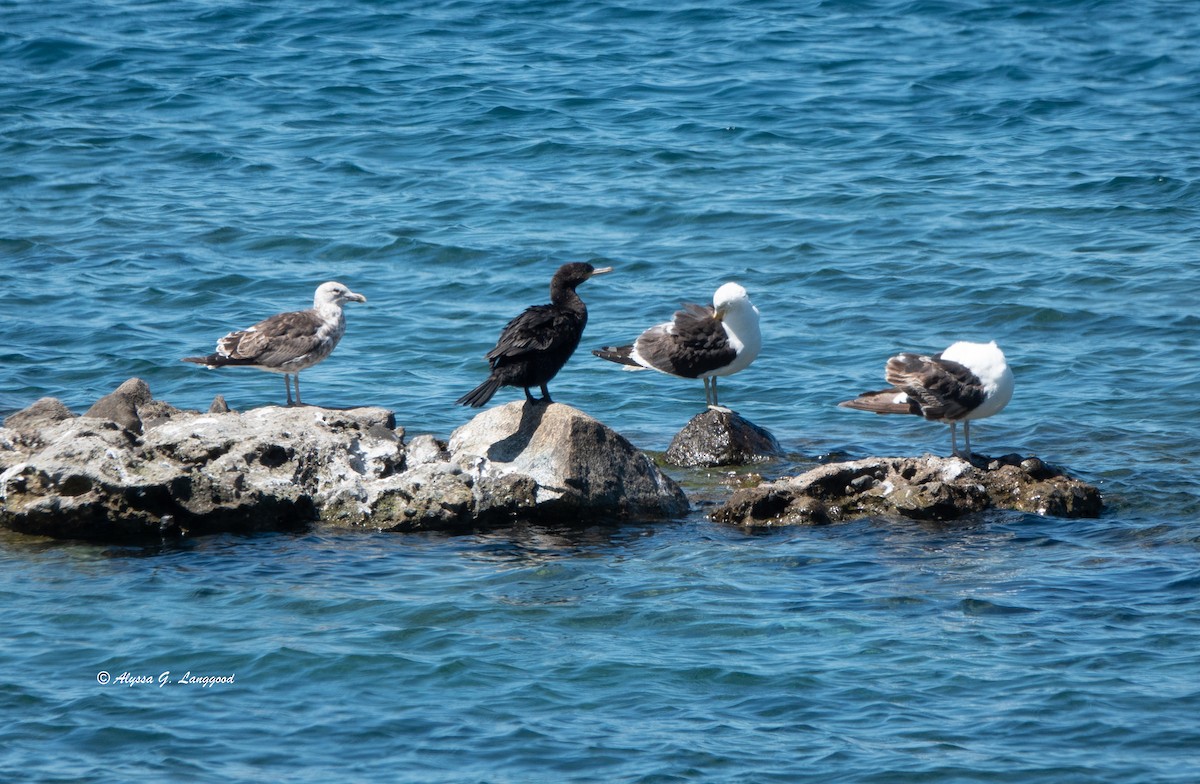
(480, 395)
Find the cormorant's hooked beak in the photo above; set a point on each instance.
(600, 271)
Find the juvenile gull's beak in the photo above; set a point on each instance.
(351, 296)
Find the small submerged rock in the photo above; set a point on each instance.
(720, 437)
(922, 488)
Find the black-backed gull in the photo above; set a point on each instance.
(701, 341)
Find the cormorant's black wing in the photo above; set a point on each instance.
(539, 328)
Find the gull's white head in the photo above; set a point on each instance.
(730, 296)
(334, 293)
(739, 317)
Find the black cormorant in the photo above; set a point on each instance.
(535, 345)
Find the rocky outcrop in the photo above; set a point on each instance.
(580, 467)
(720, 437)
(922, 488)
(133, 467)
(268, 469)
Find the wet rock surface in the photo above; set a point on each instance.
(720, 437)
(133, 468)
(921, 488)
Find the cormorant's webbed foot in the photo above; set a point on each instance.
(544, 399)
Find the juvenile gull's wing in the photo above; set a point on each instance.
(944, 390)
(275, 341)
(884, 401)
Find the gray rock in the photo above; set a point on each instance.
(122, 404)
(582, 470)
(44, 411)
(720, 437)
(277, 468)
(268, 469)
(29, 430)
(426, 449)
(156, 412)
(23, 429)
(923, 488)
(433, 496)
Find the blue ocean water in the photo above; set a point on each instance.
(880, 175)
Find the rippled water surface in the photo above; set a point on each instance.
(879, 175)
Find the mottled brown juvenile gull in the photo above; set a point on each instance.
(535, 345)
(701, 341)
(966, 381)
(287, 342)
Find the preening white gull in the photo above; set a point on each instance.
(287, 342)
(701, 341)
(966, 381)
